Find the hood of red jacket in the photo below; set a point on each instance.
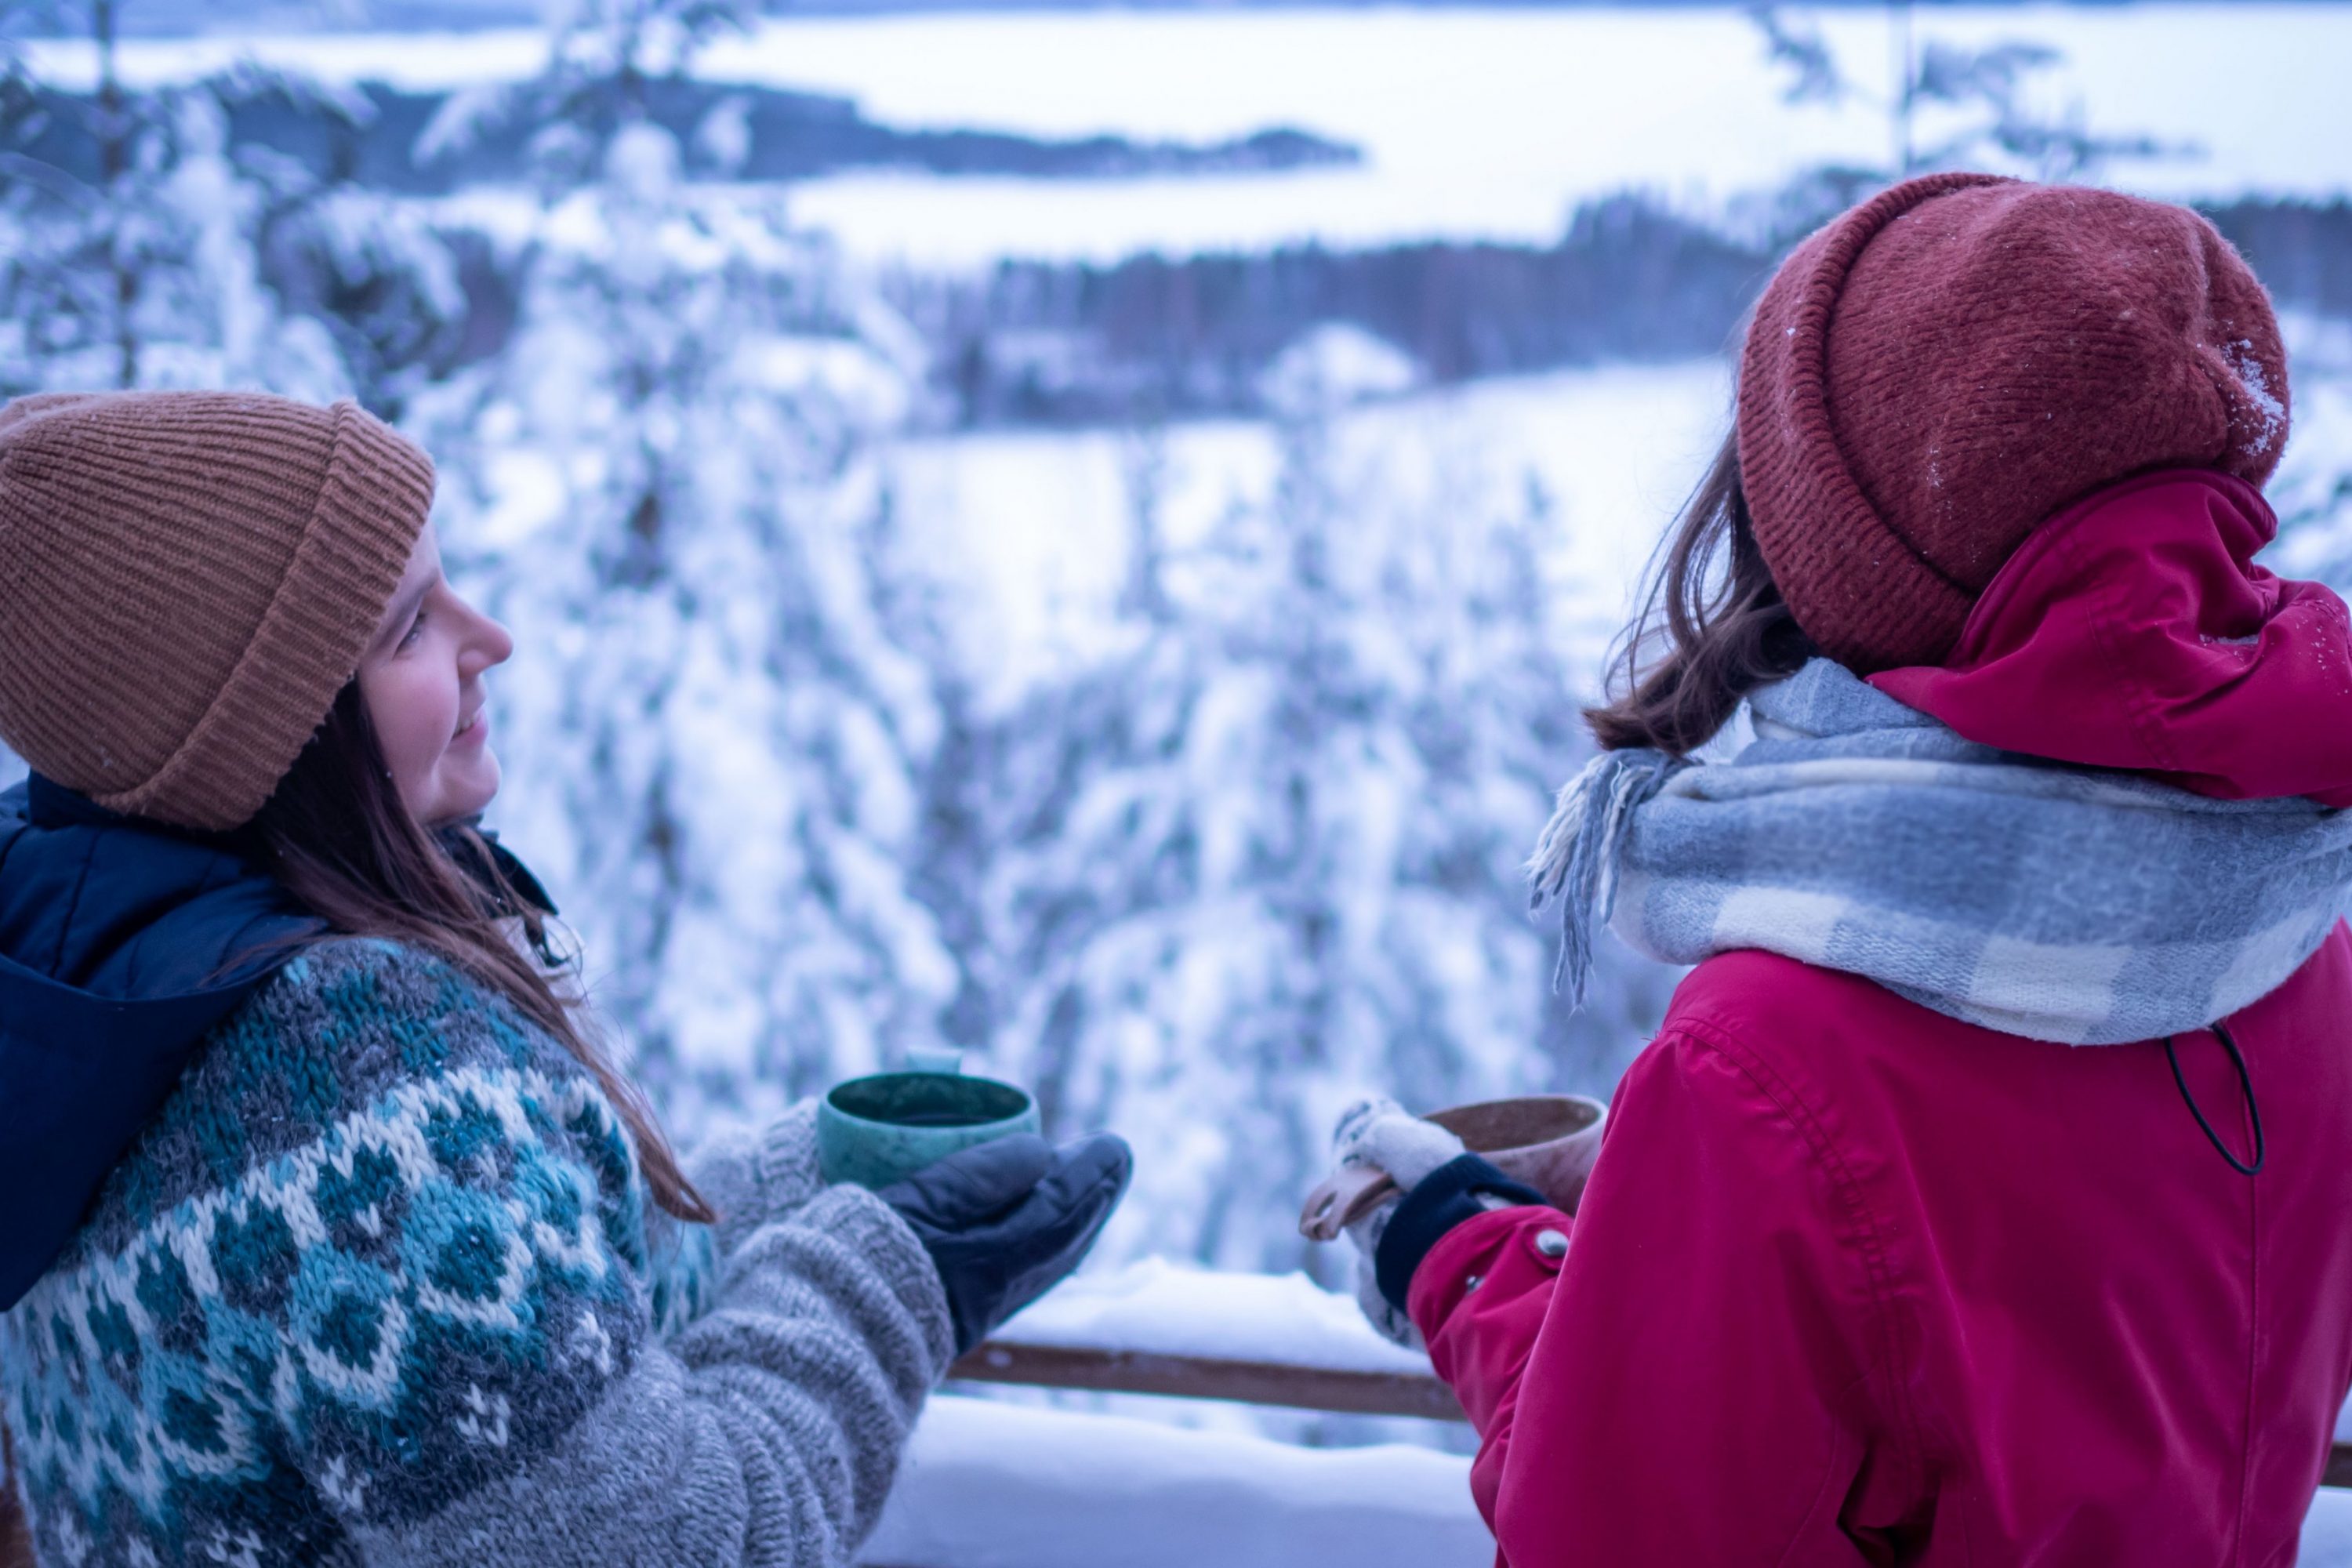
(2133, 630)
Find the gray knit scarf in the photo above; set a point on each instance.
(2062, 903)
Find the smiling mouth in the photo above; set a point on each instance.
(470, 725)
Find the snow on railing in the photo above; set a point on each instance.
(1156, 1328)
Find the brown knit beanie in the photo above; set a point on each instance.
(1943, 367)
(187, 580)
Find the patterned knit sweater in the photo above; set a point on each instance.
(378, 1287)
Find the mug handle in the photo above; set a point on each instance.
(934, 1058)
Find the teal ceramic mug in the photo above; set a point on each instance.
(875, 1131)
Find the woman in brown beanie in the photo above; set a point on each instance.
(1982, 1198)
(333, 1236)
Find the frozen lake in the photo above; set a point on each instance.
(1475, 122)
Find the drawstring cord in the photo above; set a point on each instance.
(2245, 1082)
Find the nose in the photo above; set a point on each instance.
(487, 643)
(501, 639)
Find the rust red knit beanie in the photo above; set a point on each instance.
(1942, 368)
(187, 580)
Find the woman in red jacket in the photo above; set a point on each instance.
(1986, 1196)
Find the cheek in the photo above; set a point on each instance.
(412, 720)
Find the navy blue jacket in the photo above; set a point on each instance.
(113, 935)
(122, 944)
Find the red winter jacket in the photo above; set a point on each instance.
(1854, 1282)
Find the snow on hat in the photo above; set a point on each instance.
(1940, 369)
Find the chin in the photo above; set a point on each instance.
(468, 795)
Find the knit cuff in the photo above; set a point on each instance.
(1443, 1199)
(887, 1244)
(754, 1174)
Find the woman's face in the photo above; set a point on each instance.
(422, 680)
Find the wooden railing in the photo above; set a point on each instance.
(1267, 1383)
(1201, 1377)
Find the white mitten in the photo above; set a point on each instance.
(1380, 1133)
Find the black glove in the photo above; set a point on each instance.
(1005, 1221)
(1463, 1188)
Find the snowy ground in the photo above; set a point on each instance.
(1161, 1307)
(1485, 123)
(991, 1486)
(987, 1485)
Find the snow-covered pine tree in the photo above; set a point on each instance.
(129, 255)
(1947, 106)
(661, 486)
(1269, 854)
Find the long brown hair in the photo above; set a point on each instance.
(338, 838)
(1713, 603)
(15, 1540)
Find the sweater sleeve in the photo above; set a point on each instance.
(749, 1175)
(1675, 1375)
(477, 1375)
(752, 1173)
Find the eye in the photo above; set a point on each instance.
(414, 627)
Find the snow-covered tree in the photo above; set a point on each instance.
(1947, 106)
(1268, 854)
(130, 231)
(711, 743)
(2313, 490)
(1256, 850)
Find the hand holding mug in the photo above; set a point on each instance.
(1005, 1221)
(1537, 1148)
(1003, 1214)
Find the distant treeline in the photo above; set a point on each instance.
(370, 134)
(1031, 342)
(1034, 342)
(2301, 250)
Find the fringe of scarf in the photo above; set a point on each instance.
(1575, 862)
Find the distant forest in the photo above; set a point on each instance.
(371, 134)
(1031, 342)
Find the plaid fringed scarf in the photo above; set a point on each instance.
(1858, 834)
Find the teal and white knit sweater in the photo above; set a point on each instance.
(378, 1287)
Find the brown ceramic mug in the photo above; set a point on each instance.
(1547, 1141)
